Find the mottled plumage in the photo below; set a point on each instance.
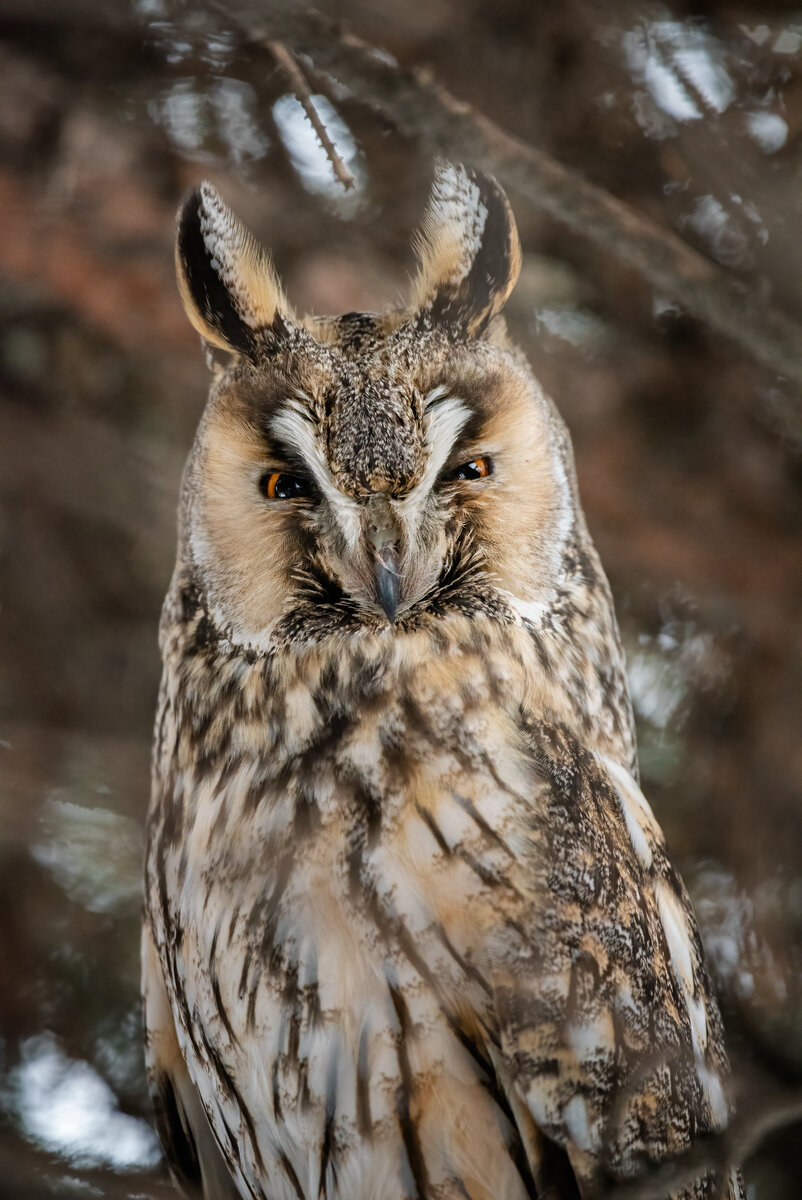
(411, 927)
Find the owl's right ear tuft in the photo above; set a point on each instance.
(229, 289)
(468, 252)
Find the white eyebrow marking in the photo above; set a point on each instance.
(434, 395)
(292, 425)
(442, 427)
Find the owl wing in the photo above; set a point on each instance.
(196, 1162)
(609, 1029)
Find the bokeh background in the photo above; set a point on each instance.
(688, 456)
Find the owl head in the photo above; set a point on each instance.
(367, 470)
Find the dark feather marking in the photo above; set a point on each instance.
(468, 806)
(391, 927)
(230, 1090)
(294, 1039)
(556, 1174)
(356, 330)
(433, 828)
(277, 1109)
(485, 1071)
(246, 969)
(468, 968)
(407, 1123)
(210, 294)
(307, 815)
(303, 1094)
(289, 1171)
(364, 836)
(215, 982)
(364, 1117)
(488, 1079)
(253, 995)
(249, 1125)
(488, 875)
(176, 1137)
(173, 935)
(227, 1084)
(266, 909)
(329, 1142)
(463, 309)
(325, 1154)
(232, 925)
(233, 1155)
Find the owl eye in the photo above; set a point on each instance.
(477, 468)
(280, 485)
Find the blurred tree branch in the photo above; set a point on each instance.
(424, 111)
(304, 96)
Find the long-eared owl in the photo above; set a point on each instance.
(411, 930)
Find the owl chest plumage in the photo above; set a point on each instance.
(337, 846)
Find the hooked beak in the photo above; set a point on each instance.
(387, 581)
(383, 536)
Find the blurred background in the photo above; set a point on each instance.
(688, 456)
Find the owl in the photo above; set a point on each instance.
(411, 930)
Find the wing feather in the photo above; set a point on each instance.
(608, 1021)
(196, 1161)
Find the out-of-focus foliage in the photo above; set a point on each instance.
(688, 459)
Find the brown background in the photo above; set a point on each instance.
(688, 457)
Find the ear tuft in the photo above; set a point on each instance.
(468, 251)
(228, 286)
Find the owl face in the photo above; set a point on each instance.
(354, 472)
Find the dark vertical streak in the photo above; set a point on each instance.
(277, 1109)
(434, 829)
(407, 1123)
(176, 1134)
(467, 968)
(325, 1154)
(468, 806)
(364, 1117)
(215, 982)
(289, 1171)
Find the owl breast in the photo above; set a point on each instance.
(332, 898)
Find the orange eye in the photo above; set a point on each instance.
(477, 468)
(280, 485)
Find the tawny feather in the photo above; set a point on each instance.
(411, 925)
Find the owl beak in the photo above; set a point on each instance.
(382, 534)
(387, 581)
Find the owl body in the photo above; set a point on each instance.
(411, 927)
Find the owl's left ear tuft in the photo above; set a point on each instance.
(468, 251)
(229, 289)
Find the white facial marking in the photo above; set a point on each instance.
(434, 395)
(292, 425)
(442, 428)
(443, 425)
